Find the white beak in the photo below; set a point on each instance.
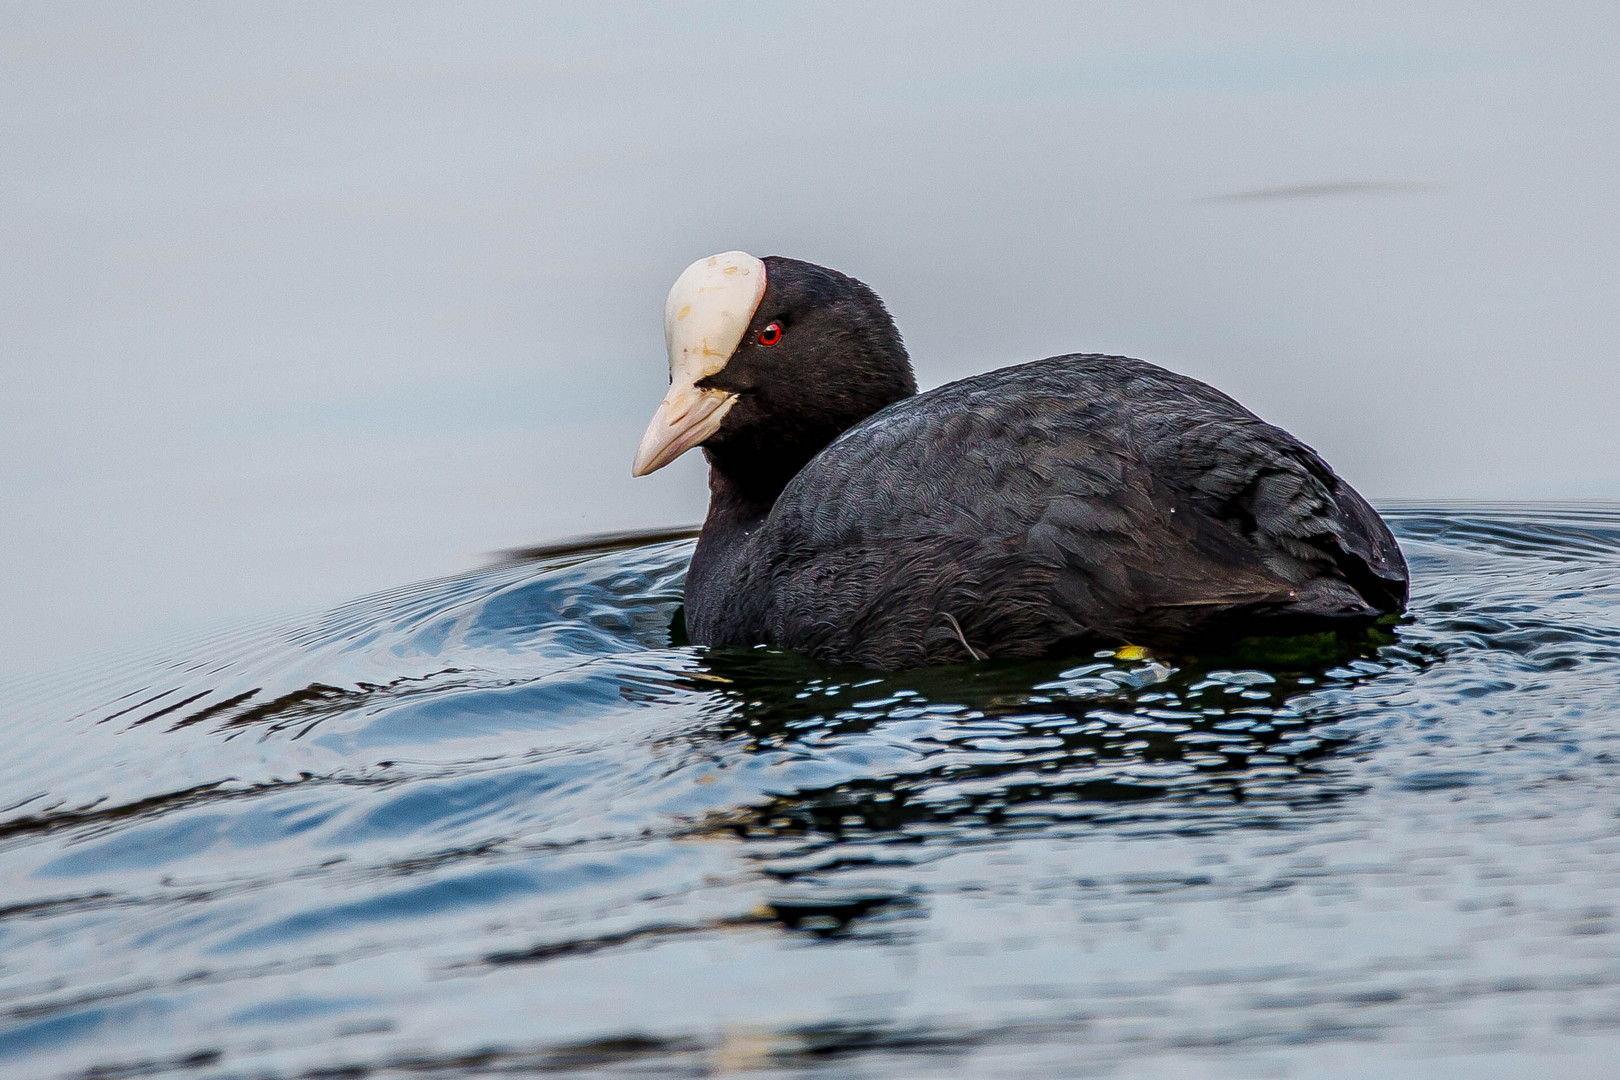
(686, 417)
(707, 313)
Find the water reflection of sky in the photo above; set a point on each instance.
(301, 302)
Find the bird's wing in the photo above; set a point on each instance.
(1266, 485)
(1074, 497)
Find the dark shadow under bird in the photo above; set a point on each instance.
(1048, 508)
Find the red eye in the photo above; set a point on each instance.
(771, 334)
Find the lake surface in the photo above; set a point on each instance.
(501, 822)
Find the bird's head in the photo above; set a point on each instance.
(769, 361)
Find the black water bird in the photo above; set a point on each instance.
(1056, 506)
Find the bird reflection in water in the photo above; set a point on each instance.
(1015, 745)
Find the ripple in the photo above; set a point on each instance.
(356, 842)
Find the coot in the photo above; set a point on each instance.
(1072, 502)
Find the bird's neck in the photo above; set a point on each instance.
(721, 560)
(748, 471)
(736, 506)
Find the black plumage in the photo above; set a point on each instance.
(1072, 502)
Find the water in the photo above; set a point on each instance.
(499, 822)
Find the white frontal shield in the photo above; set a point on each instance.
(708, 311)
